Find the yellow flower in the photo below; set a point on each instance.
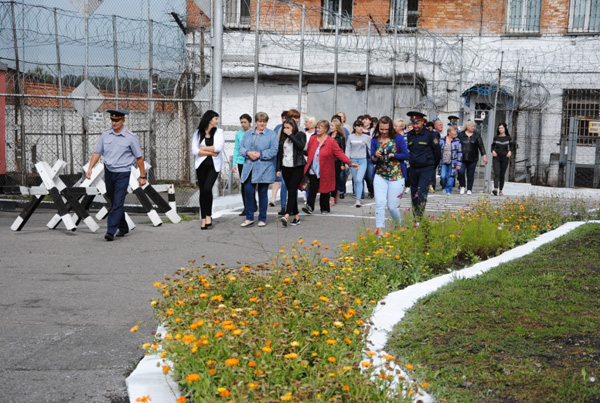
(134, 329)
(294, 344)
(266, 349)
(324, 299)
(216, 298)
(316, 333)
(192, 377)
(223, 392)
(237, 332)
(409, 366)
(388, 357)
(291, 356)
(366, 364)
(332, 342)
(252, 385)
(371, 354)
(338, 324)
(331, 359)
(166, 369)
(157, 284)
(346, 387)
(286, 398)
(253, 299)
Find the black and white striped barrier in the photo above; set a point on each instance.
(53, 186)
(145, 195)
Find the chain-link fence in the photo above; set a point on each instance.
(62, 71)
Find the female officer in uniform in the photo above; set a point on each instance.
(424, 156)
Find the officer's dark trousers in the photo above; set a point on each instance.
(116, 190)
(419, 188)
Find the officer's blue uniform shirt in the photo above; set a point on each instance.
(423, 148)
(119, 150)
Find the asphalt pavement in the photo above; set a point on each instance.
(69, 299)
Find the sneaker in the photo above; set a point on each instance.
(283, 220)
(462, 191)
(281, 212)
(109, 237)
(262, 224)
(307, 209)
(295, 221)
(121, 234)
(247, 223)
(324, 212)
(469, 192)
(371, 195)
(342, 196)
(271, 204)
(495, 192)
(357, 204)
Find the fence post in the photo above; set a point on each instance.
(338, 22)
(3, 68)
(368, 67)
(596, 181)
(63, 141)
(256, 59)
(571, 153)
(301, 68)
(151, 130)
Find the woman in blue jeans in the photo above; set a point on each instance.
(451, 160)
(358, 149)
(472, 146)
(388, 152)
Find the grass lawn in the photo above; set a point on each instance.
(527, 331)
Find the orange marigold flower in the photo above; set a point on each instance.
(346, 387)
(286, 397)
(324, 299)
(223, 392)
(212, 371)
(366, 364)
(182, 399)
(232, 361)
(192, 377)
(166, 369)
(347, 340)
(203, 295)
(220, 334)
(331, 359)
(144, 399)
(252, 313)
(409, 366)
(316, 333)
(371, 354)
(266, 349)
(252, 364)
(291, 356)
(332, 342)
(216, 298)
(188, 338)
(252, 385)
(253, 299)
(237, 332)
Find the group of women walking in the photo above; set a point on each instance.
(314, 159)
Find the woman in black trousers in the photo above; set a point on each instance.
(502, 147)
(290, 165)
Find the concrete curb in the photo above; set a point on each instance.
(394, 306)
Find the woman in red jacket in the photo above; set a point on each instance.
(320, 167)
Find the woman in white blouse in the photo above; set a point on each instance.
(207, 146)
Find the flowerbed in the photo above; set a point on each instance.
(293, 329)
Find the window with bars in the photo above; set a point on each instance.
(330, 13)
(583, 104)
(584, 16)
(404, 13)
(237, 13)
(524, 15)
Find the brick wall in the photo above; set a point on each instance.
(470, 17)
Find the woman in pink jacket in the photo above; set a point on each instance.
(320, 167)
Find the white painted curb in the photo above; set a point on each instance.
(148, 378)
(394, 306)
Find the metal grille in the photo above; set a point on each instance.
(584, 104)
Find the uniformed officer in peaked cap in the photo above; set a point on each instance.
(424, 156)
(120, 148)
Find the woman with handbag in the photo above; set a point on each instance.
(290, 165)
(358, 150)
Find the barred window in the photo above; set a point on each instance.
(330, 12)
(584, 16)
(404, 13)
(237, 13)
(524, 15)
(585, 105)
